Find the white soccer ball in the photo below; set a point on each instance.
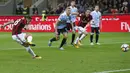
(124, 47)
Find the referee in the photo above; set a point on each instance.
(95, 24)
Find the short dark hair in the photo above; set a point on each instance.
(88, 10)
(68, 8)
(96, 5)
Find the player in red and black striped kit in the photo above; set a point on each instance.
(22, 38)
(83, 23)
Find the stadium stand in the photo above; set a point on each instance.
(107, 6)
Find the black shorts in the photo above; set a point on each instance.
(95, 29)
(64, 30)
(69, 26)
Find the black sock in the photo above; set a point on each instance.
(53, 39)
(97, 37)
(80, 35)
(73, 38)
(63, 42)
(91, 38)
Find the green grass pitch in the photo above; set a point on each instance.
(87, 59)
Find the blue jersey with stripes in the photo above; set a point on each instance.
(63, 18)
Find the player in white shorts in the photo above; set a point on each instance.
(84, 20)
(22, 38)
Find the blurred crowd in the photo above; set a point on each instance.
(106, 6)
(21, 10)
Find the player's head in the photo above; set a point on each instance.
(68, 11)
(87, 12)
(72, 3)
(28, 18)
(97, 7)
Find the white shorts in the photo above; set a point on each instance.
(81, 30)
(20, 38)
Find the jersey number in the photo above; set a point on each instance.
(17, 21)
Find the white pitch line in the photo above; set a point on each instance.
(121, 70)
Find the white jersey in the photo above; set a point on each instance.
(96, 18)
(73, 17)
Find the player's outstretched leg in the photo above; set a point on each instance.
(82, 37)
(30, 51)
(63, 41)
(76, 43)
(29, 39)
(52, 40)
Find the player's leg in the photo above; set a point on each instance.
(79, 38)
(65, 35)
(20, 38)
(54, 38)
(29, 43)
(29, 38)
(91, 36)
(97, 35)
(73, 34)
(84, 34)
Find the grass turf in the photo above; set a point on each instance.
(86, 59)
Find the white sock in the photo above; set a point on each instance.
(76, 41)
(29, 50)
(29, 38)
(82, 36)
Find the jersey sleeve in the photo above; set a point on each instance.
(92, 14)
(60, 18)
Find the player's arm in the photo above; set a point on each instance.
(89, 23)
(93, 18)
(56, 26)
(56, 32)
(100, 21)
(26, 27)
(8, 23)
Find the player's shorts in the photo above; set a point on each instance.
(81, 30)
(20, 38)
(95, 29)
(64, 30)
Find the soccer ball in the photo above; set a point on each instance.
(124, 47)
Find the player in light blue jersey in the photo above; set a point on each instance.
(95, 25)
(74, 13)
(60, 27)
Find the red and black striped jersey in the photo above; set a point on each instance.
(84, 20)
(18, 25)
